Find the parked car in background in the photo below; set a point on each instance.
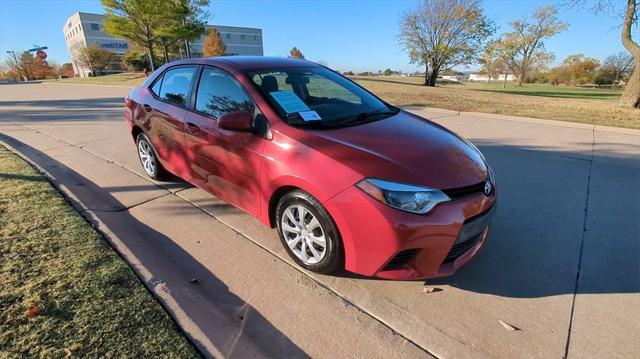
(348, 180)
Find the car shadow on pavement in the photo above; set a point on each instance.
(566, 222)
(233, 327)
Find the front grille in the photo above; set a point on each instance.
(461, 248)
(459, 192)
(401, 259)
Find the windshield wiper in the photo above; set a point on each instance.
(295, 119)
(362, 117)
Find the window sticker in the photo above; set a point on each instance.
(289, 101)
(310, 116)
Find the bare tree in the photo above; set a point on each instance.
(620, 66)
(523, 48)
(491, 64)
(627, 10)
(631, 95)
(441, 34)
(96, 59)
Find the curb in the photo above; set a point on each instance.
(79, 84)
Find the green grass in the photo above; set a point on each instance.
(544, 90)
(90, 302)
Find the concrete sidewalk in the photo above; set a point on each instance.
(562, 263)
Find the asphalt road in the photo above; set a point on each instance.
(562, 265)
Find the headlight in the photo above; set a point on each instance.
(401, 196)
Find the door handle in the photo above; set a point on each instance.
(147, 108)
(193, 128)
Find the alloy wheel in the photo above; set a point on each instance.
(304, 234)
(147, 157)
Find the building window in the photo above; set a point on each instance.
(228, 36)
(255, 37)
(95, 27)
(242, 37)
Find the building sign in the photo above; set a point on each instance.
(41, 55)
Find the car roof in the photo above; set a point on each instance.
(250, 62)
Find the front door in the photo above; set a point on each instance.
(225, 163)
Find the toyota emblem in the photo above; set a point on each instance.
(487, 188)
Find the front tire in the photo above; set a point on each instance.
(149, 159)
(308, 233)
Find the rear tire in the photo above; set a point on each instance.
(149, 159)
(308, 233)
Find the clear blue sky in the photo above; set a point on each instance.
(354, 35)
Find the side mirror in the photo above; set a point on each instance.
(236, 121)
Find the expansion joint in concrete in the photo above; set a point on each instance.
(584, 233)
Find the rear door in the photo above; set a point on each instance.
(166, 111)
(226, 163)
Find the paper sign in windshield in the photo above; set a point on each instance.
(289, 101)
(310, 116)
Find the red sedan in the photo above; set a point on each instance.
(349, 180)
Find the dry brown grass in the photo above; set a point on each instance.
(64, 292)
(408, 91)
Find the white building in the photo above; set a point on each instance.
(85, 29)
(237, 40)
(485, 78)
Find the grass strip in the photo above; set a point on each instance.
(64, 292)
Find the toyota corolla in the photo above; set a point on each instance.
(349, 181)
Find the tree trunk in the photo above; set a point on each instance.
(489, 82)
(187, 48)
(631, 95)
(504, 84)
(165, 52)
(426, 75)
(433, 77)
(152, 59)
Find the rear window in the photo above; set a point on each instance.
(175, 85)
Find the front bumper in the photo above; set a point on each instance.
(385, 242)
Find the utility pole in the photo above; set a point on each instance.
(15, 58)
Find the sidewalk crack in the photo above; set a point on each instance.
(584, 233)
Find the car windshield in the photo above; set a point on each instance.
(318, 97)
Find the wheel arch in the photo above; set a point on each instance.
(135, 131)
(275, 198)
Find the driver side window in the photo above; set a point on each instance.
(219, 93)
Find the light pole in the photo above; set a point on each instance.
(15, 58)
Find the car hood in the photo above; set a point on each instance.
(404, 148)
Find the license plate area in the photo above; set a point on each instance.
(475, 226)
